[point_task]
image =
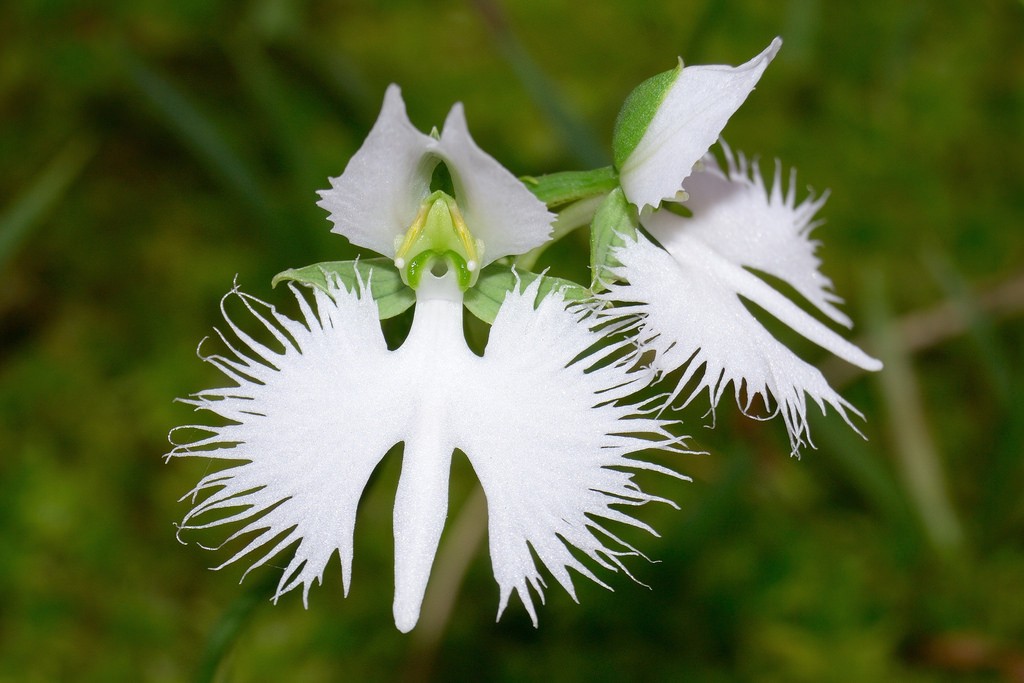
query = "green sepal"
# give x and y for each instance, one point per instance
(496, 280)
(637, 112)
(615, 221)
(386, 287)
(556, 189)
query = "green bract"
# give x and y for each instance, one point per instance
(637, 112)
(614, 221)
(496, 281)
(379, 274)
(558, 189)
(393, 296)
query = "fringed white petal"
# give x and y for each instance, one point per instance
(376, 198)
(692, 316)
(498, 208)
(378, 195)
(754, 226)
(547, 417)
(690, 118)
(547, 423)
(304, 427)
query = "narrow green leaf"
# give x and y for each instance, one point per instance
(275, 98)
(915, 451)
(614, 221)
(18, 220)
(386, 287)
(199, 133)
(485, 298)
(578, 137)
(225, 633)
(556, 189)
(859, 463)
(991, 355)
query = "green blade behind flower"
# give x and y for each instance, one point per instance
(379, 274)
(614, 221)
(485, 298)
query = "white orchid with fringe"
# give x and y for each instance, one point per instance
(548, 416)
(715, 230)
(555, 412)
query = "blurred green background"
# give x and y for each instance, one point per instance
(150, 151)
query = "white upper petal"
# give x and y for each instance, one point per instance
(377, 196)
(693, 317)
(498, 208)
(691, 117)
(735, 215)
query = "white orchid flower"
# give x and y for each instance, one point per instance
(718, 230)
(375, 201)
(547, 416)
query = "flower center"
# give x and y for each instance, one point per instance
(438, 241)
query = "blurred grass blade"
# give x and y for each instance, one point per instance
(714, 514)
(931, 327)
(230, 626)
(859, 462)
(198, 133)
(991, 355)
(18, 220)
(1001, 477)
(917, 457)
(338, 81)
(580, 140)
(270, 92)
(708, 23)
(461, 545)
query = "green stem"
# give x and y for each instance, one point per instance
(569, 219)
(917, 456)
(231, 624)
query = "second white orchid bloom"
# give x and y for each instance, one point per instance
(715, 226)
(547, 416)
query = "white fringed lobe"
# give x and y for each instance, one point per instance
(750, 224)
(688, 295)
(547, 427)
(552, 431)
